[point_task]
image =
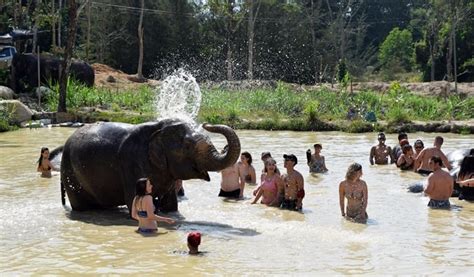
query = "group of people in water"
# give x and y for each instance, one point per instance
(286, 189)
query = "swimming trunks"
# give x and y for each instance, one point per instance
(439, 204)
(230, 194)
(290, 204)
(146, 230)
(424, 171)
(142, 214)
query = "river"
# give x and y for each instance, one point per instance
(403, 236)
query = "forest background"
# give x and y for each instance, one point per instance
(297, 41)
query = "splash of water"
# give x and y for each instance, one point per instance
(179, 97)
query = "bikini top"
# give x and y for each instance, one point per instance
(270, 185)
(355, 195)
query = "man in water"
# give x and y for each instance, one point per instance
(440, 185)
(422, 162)
(230, 183)
(380, 152)
(293, 183)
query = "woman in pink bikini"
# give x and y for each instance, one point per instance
(269, 185)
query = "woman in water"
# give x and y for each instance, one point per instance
(406, 161)
(418, 145)
(466, 178)
(246, 169)
(44, 165)
(143, 209)
(269, 184)
(355, 191)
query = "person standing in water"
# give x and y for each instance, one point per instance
(231, 185)
(246, 169)
(440, 185)
(293, 184)
(355, 191)
(269, 185)
(44, 164)
(422, 162)
(407, 159)
(380, 152)
(316, 161)
(143, 209)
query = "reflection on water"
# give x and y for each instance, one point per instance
(403, 236)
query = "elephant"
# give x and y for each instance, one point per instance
(101, 162)
(25, 68)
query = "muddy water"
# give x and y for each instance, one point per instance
(403, 236)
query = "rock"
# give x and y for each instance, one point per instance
(416, 188)
(32, 124)
(16, 111)
(6, 93)
(64, 117)
(42, 91)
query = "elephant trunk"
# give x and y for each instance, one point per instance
(215, 161)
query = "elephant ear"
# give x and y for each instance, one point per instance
(163, 141)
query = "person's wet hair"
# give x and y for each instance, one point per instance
(467, 168)
(436, 160)
(406, 148)
(270, 161)
(248, 156)
(43, 149)
(140, 187)
(402, 136)
(352, 170)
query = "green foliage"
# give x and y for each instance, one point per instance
(397, 51)
(5, 116)
(79, 95)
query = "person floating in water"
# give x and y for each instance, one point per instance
(316, 161)
(293, 184)
(143, 209)
(440, 185)
(380, 152)
(355, 191)
(44, 164)
(194, 240)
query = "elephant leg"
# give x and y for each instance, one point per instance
(79, 199)
(169, 202)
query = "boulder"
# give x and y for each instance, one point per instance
(6, 93)
(17, 112)
(42, 91)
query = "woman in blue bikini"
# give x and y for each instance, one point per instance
(143, 209)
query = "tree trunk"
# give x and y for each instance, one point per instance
(60, 9)
(71, 39)
(53, 25)
(251, 34)
(140, 41)
(35, 28)
(449, 57)
(88, 41)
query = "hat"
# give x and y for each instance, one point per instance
(194, 239)
(318, 145)
(291, 157)
(266, 154)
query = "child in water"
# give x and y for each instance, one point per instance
(44, 165)
(316, 161)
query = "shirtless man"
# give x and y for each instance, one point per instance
(231, 186)
(422, 164)
(440, 185)
(293, 183)
(380, 152)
